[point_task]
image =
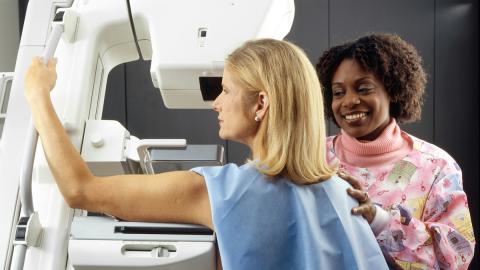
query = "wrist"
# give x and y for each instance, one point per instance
(372, 213)
(380, 220)
(37, 96)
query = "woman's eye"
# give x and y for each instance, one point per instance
(337, 93)
(365, 89)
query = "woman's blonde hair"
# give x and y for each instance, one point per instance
(291, 137)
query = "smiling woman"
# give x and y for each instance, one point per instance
(409, 190)
(360, 104)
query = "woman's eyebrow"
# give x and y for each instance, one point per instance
(369, 78)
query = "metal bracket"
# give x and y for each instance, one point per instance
(28, 231)
(69, 19)
(145, 145)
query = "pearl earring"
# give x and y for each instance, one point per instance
(257, 118)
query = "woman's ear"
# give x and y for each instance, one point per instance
(262, 106)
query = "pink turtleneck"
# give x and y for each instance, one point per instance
(391, 146)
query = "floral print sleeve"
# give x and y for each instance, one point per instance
(442, 238)
(430, 225)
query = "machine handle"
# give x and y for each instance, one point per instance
(32, 135)
(101, 254)
(27, 213)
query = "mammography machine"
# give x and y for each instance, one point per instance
(187, 42)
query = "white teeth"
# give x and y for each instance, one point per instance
(355, 116)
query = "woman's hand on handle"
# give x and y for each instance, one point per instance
(366, 208)
(40, 78)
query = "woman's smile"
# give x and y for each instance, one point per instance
(360, 105)
(355, 117)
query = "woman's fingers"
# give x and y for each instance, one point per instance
(52, 63)
(367, 210)
(40, 78)
(360, 195)
(350, 179)
(37, 60)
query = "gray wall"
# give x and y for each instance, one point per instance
(9, 34)
(444, 31)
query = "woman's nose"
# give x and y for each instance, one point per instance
(215, 104)
(351, 99)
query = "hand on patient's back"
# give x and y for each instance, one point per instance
(365, 207)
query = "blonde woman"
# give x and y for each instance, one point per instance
(284, 209)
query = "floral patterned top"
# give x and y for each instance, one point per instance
(430, 225)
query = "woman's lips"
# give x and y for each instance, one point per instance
(354, 117)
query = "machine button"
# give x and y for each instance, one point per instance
(97, 140)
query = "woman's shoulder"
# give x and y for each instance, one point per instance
(335, 182)
(224, 169)
(229, 174)
(336, 188)
(431, 151)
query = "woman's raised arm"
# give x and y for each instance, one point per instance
(169, 197)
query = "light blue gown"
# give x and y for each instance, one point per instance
(264, 224)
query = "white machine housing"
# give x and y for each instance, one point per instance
(5, 86)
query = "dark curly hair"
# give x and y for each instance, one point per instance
(396, 64)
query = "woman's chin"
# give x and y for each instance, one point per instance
(222, 135)
(355, 132)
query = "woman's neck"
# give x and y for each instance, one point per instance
(390, 146)
(377, 132)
